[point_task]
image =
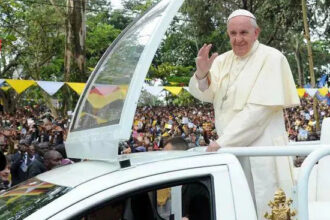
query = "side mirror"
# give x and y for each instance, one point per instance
(3, 161)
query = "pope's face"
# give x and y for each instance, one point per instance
(242, 34)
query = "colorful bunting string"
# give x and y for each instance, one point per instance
(105, 90)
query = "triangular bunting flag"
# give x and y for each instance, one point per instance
(5, 88)
(153, 90)
(324, 91)
(99, 101)
(50, 87)
(1, 81)
(77, 87)
(301, 92)
(186, 88)
(173, 89)
(104, 89)
(311, 92)
(20, 85)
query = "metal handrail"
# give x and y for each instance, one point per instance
(262, 151)
(302, 185)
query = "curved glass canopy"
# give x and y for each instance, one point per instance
(104, 113)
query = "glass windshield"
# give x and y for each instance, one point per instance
(104, 100)
(24, 199)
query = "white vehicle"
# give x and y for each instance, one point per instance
(155, 185)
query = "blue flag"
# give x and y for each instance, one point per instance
(322, 81)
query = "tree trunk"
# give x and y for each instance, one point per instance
(245, 4)
(297, 55)
(9, 99)
(75, 48)
(311, 63)
(79, 34)
(76, 35)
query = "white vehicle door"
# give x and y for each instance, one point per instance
(205, 193)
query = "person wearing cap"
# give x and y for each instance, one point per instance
(249, 86)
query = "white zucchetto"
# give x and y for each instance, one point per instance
(241, 12)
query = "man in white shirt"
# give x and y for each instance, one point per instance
(249, 86)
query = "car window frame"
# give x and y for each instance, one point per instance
(218, 172)
(206, 181)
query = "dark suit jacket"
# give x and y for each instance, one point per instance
(18, 175)
(35, 168)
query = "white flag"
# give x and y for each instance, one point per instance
(154, 90)
(50, 87)
(311, 92)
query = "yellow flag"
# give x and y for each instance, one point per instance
(175, 90)
(20, 85)
(77, 87)
(301, 92)
(99, 101)
(5, 88)
(323, 91)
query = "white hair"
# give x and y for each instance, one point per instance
(254, 23)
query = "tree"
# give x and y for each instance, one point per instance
(171, 73)
(33, 42)
(310, 61)
(31, 35)
(137, 7)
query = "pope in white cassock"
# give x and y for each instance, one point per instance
(249, 86)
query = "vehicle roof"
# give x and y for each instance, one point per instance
(78, 173)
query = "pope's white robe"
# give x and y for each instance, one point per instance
(248, 94)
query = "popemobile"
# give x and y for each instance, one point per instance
(168, 185)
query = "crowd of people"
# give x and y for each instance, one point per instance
(33, 140)
(153, 125)
(301, 123)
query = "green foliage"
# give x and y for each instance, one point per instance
(119, 20)
(147, 99)
(138, 6)
(170, 73)
(100, 33)
(33, 39)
